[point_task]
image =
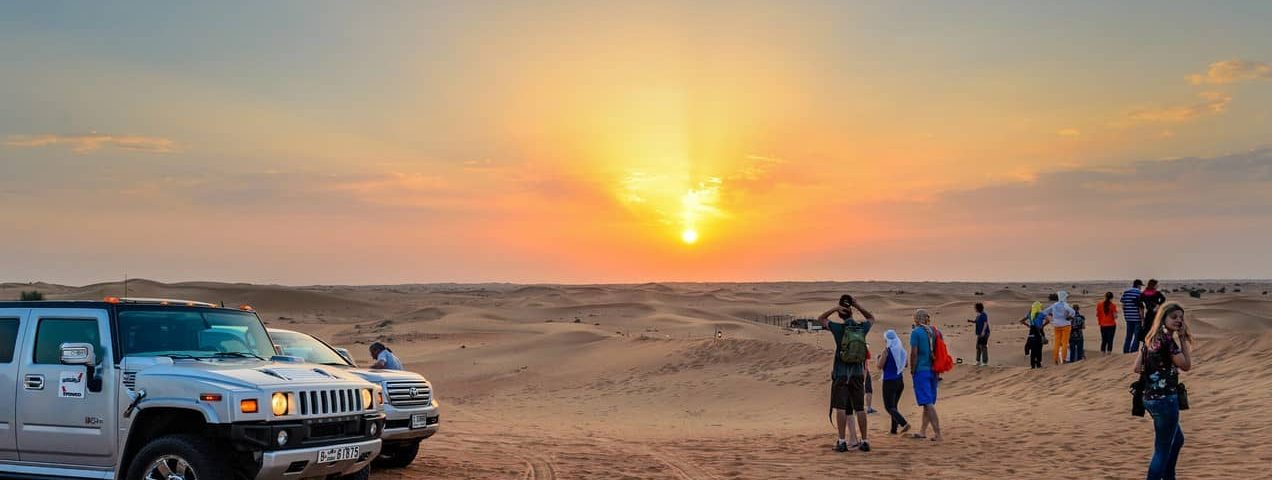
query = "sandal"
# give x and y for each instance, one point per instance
(917, 436)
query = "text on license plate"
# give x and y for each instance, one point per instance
(419, 420)
(337, 454)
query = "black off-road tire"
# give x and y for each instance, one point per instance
(205, 457)
(398, 456)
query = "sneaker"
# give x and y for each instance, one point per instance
(871, 411)
(841, 446)
(865, 446)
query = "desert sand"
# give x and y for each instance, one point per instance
(629, 381)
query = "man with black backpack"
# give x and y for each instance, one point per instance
(848, 380)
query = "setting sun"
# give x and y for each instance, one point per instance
(690, 237)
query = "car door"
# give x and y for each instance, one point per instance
(11, 323)
(61, 419)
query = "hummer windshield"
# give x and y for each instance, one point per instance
(308, 348)
(181, 333)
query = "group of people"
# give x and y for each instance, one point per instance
(1067, 324)
(1163, 348)
(850, 380)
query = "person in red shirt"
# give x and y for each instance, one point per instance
(1106, 314)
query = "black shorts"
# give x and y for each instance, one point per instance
(848, 393)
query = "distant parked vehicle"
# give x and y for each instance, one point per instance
(809, 324)
(410, 405)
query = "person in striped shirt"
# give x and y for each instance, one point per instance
(1132, 309)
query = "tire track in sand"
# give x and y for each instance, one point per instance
(537, 468)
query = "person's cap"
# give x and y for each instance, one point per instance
(1137, 283)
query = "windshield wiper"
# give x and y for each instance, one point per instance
(237, 355)
(335, 364)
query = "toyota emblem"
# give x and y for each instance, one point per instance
(415, 392)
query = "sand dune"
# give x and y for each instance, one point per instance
(612, 381)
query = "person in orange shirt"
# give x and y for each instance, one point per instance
(1106, 314)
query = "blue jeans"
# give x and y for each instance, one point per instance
(1169, 436)
(1131, 345)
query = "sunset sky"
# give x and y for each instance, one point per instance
(372, 143)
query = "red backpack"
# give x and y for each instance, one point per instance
(941, 360)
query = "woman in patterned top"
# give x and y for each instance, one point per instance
(1167, 350)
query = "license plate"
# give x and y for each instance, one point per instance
(419, 420)
(338, 454)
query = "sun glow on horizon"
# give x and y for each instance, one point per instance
(690, 237)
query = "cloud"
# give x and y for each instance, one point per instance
(1232, 71)
(92, 142)
(1182, 188)
(1213, 103)
(1069, 132)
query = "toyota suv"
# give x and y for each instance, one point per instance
(410, 404)
(136, 389)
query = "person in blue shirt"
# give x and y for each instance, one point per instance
(925, 380)
(1132, 312)
(384, 358)
(847, 390)
(891, 363)
(982, 335)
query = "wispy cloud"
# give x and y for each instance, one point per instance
(1236, 184)
(1213, 103)
(1069, 132)
(92, 142)
(1232, 71)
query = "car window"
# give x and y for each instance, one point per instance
(8, 338)
(53, 332)
(306, 347)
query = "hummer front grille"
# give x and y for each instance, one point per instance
(404, 394)
(329, 401)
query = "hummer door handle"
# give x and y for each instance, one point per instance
(34, 382)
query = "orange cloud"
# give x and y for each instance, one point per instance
(92, 142)
(1213, 103)
(1232, 71)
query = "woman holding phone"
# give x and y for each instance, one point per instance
(1167, 350)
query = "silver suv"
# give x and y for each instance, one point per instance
(411, 404)
(172, 390)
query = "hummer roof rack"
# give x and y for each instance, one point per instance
(159, 301)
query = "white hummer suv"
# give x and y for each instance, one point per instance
(135, 389)
(410, 408)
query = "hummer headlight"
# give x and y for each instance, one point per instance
(366, 399)
(278, 402)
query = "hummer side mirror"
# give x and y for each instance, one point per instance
(83, 354)
(78, 354)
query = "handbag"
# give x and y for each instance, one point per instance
(1137, 390)
(1137, 398)
(1183, 396)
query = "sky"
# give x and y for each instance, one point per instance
(614, 142)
